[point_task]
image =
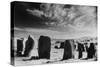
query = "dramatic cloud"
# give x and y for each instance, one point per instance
(35, 12)
(74, 16)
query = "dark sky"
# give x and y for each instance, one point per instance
(22, 18)
(26, 21)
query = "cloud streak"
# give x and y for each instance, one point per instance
(35, 12)
(53, 34)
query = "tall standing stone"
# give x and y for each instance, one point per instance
(19, 47)
(91, 51)
(80, 50)
(67, 50)
(28, 46)
(44, 47)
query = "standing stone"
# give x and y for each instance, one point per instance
(28, 46)
(19, 47)
(62, 45)
(91, 51)
(44, 47)
(67, 50)
(80, 50)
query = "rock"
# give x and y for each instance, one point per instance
(44, 47)
(67, 50)
(19, 47)
(62, 45)
(28, 46)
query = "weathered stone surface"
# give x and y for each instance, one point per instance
(28, 46)
(67, 50)
(62, 45)
(91, 51)
(19, 47)
(44, 47)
